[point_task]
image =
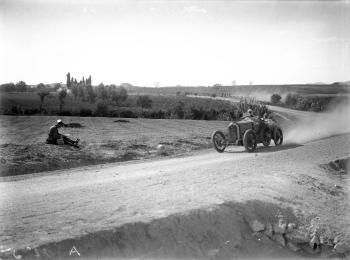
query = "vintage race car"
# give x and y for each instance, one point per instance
(248, 132)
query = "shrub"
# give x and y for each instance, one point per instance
(102, 109)
(195, 113)
(85, 112)
(144, 102)
(179, 110)
(291, 100)
(275, 99)
(128, 114)
(65, 113)
(31, 111)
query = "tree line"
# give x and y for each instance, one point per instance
(304, 103)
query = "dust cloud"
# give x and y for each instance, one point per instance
(314, 126)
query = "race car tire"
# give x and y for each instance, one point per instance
(219, 142)
(249, 140)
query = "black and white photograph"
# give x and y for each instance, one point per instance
(183, 129)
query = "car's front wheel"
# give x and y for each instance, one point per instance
(219, 141)
(249, 140)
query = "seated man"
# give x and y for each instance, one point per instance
(55, 136)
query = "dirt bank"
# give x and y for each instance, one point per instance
(221, 231)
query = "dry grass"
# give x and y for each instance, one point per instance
(23, 149)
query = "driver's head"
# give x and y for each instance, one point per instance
(59, 123)
(250, 112)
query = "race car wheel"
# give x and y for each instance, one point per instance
(249, 140)
(278, 136)
(266, 138)
(219, 141)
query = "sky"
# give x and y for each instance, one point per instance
(168, 43)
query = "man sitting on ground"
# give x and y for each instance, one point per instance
(55, 137)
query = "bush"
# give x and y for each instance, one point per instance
(127, 114)
(65, 113)
(179, 110)
(102, 109)
(275, 99)
(291, 100)
(144, 102)
(85, 112)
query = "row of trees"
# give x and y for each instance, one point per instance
(20, 86)
(180, 110)
(111, 94)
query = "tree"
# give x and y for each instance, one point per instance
(61, 96)
(144, 102)
(275, 99)
(102, 92)
(102, 109)
(21, 86)
(179, 110)
(91, 93)
(118, 94)
(88, 80)
(68, 81)
(8, 87)
(41, 86)
(43, 94)
(291, 100)
(81, 92)
(57, 86)
(75, 91)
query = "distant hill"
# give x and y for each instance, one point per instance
(345, 83)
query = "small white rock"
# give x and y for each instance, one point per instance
(257, 226)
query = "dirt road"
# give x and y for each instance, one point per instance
(49, 207)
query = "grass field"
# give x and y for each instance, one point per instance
(23, 149)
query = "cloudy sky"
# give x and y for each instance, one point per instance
(177, 42)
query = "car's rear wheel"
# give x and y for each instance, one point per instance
(219, 141)
(266, 138)
(249, 140)
(278, 136)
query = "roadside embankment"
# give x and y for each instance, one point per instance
(255, 229)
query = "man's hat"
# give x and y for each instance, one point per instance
(59, 121)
